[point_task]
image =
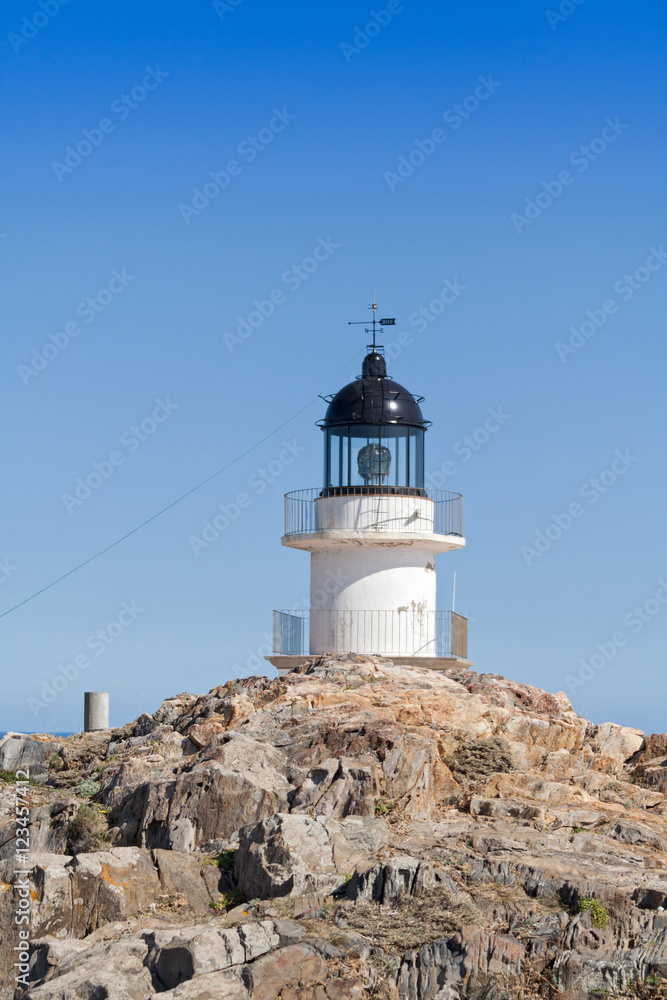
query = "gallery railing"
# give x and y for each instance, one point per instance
(437, 511)
(383, 633)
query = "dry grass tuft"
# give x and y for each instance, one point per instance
(478, 759)
(87, 831)
(416, 920)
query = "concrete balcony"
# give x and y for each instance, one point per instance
(431, 639)
(317, 518)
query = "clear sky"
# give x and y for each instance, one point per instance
(169, 165)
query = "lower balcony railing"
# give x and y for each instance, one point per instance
(383, 633)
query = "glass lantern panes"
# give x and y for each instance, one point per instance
(374, 456)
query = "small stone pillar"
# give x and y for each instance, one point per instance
(95, 710)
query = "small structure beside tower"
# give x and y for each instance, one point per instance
(373, 531)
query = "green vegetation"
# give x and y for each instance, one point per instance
(224, 860)
(87, 831)
(228, 900)
(104, 765)
(384, 806)
(599, 916)
(87, 788)
(10, 778)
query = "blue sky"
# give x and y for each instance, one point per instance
(540, 198)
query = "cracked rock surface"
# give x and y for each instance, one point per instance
(353, 830)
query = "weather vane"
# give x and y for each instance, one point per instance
(382, 322)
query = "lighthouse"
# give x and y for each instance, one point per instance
(373, 531)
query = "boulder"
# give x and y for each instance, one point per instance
(652, 746)
(73, 897)
(27, 753)
(49, 829)
(184, 876)
(337, 788)
(112, 969)
(170, 710)
(294, 854)
(179, 954)
(225, 985)
(268, 977)
(388, 882)
(473, 955)
(617, 742)
(110, 885)
(234, 781)
(285, 855)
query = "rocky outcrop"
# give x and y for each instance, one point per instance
(72, 898)
(352, 830)
(291, 855)
(18, 752)
(206, 796)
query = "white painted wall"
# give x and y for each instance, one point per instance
(374, 513)
(372, 578)
(371, 599)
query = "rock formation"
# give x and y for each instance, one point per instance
(352, 830)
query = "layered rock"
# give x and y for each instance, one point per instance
(396, 833)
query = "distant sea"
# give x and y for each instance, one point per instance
(39, 731)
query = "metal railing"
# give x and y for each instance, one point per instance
(437, 511)
(383, 633)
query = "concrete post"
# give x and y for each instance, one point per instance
(95, 710)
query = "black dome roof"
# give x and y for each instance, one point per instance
(374, 399)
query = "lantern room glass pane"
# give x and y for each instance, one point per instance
(388, 456)
(416, 457)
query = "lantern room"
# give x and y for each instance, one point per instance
(374, 436)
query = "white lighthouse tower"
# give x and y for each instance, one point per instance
(373, 532)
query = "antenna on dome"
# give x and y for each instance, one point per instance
(373, 306)
(381, 322)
